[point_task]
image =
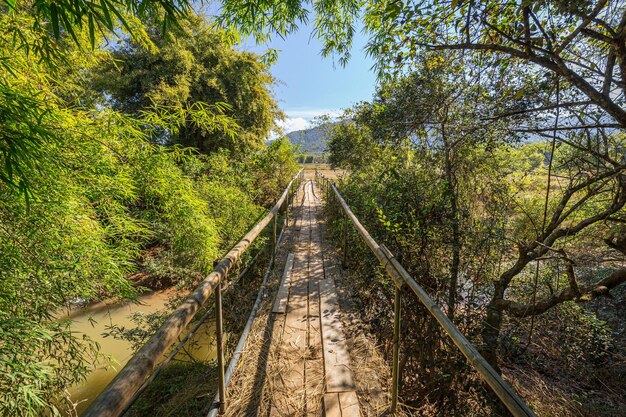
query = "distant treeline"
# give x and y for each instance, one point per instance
(312, 159)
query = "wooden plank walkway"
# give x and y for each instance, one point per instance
(315, 377)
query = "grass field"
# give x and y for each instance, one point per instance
(325, 169)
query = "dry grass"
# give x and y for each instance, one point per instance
(534, 388)
(244, 394)
(325, 169)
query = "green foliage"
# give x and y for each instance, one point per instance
(181, 390)
(188, 67)
(351, 146)
(571, 337)
(275, 168)
(460, 202)
(105, 200)
(58, 19)
(111, 199)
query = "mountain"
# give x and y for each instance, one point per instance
(311, 141)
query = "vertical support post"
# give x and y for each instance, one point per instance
(274, 238)
(395, 377)
(344, 260)
(219, 329)
(287, 210)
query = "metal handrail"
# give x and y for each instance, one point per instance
(116, 397)
(401, 277)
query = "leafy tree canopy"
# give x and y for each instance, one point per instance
(104, 201)
(189, 68)
(60, 18)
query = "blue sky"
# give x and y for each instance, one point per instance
(310, 85)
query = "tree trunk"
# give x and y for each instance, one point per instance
(456, 240)
(456, 234)
(493, 321)
(491, 333)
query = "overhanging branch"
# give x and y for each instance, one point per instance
(578, 293)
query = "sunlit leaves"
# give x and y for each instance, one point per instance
(102, 197)
(104, 16)
(335, 26)
(263, 18)
(27, 124)
(196, 81)
(27, 373)
(207, 118)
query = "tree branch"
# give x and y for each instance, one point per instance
(618, 203)
(608, 74)
(597, 36)
(526, 13)
(580, 127)
(585, 293)
(580, 27)
(612, 108)
(542, 108)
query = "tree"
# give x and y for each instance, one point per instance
(454, 195)
(580, 41)
(197, 66)
(104, 203)
(351, 144)
(57, 19)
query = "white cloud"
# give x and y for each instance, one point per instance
(293, 123)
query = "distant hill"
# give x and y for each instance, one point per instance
(311, 141)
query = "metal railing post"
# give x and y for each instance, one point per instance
(219, 329)
(344, 260)
(395, 370)
(287, 213)
(274, 235)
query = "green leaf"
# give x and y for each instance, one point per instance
(92, 34)
(54, 19)
(69, 28)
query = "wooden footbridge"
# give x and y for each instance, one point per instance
(308, 330)
(314, 375)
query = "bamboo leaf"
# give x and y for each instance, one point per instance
(54, 20)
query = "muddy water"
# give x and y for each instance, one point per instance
(93, 322)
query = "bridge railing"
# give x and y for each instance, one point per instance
(401, 277)
(122, 391)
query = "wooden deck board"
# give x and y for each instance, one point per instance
(332, 408)
(314, 364)
(349, 404)
(280, 305)
(289, 395)
(335, 349)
